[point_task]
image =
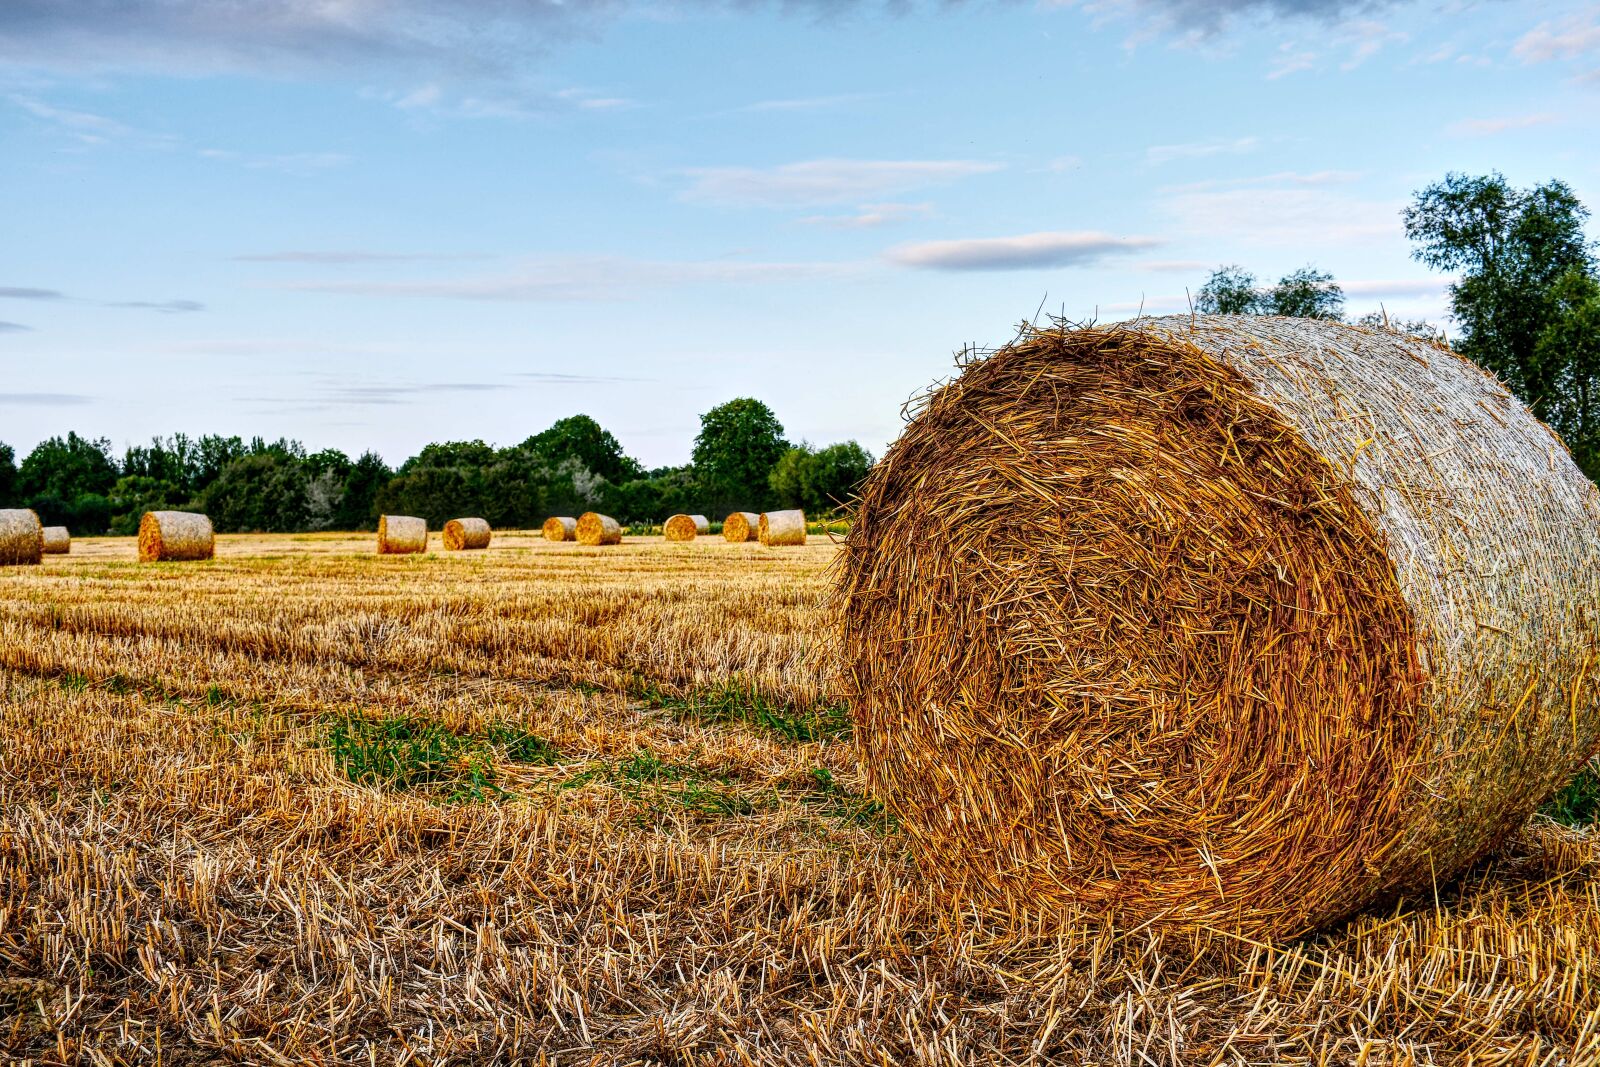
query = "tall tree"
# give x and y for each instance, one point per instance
(8, 476)
(1571, 341)
(1307, 293)
(819, 480)
(580, 437)
(1231, 290)
(738, 445)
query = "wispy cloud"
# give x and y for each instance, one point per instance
(333, 257)
(825, 181)
(13, 292)
(1028, 251)
(554, 378)
(1175, 266)
(168, 306)
(1577, 37)
(13, 327)
(1197, 20)
(870, 216)
(1285, 213)
(1166, 153)
(85, 125)
(44, 399)
(802, 103)
(1490, 127)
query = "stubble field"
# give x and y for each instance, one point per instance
(550, 804)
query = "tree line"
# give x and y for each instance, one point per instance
(1526, 300)
(742, 460)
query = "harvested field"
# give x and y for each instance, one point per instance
(307, 805)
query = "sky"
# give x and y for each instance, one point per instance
(372, 224)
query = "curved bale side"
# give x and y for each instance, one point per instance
(560, 528)
(685, 527)
(597, 529)
(57, 541)
(741, 526)
(466, 535)
(401, 535)
(21, 537)
(175, 537)
(778, 528)
(1242, 625)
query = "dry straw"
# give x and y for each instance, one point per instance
(21, 536)
(401, 535)
(560, 528)
(1234, 623)
(596, 529)
(462, 534)
(777, 528)
(685, 527)
(57, 541)
(175, 536)
(741, 526)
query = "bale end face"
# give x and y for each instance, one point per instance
(596, 529)
(685, 527)
(560, 528)
(21, 537)
(175, 537)
(741, 526)
(466, 535)
(779, 528)
(401, 535)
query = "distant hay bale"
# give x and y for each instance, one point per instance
(57, 541)
(175, 536)
(466, 534)
(741, 526)
(778, 528)
(560, 528)
(685, 527)
(596, 529)
(401, 535)
(21, 536)
(1234, 623)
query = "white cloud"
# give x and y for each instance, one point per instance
(1575, 38)
(1489, 127)
(1028, 251)
(1283, 215)
(1290, 59)
(870, 216)
(1166, 153)
(825, 181)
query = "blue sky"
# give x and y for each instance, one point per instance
(374, 224)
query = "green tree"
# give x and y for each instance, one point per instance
(8, 477)
(135, 494)
(1231, 290)
(1305, 294)
(358, 505)
(819, 480)
(1511, 247)
(1571, 341)
(66, 481)
(263, 491)
(738, 445)
(580, 437)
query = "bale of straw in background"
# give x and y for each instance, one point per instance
(778, 528)
(560, 528)
(596, 529)
(685, 527)
(741, 526)
(57, 541)
(173, 536)
(462, 534)
(401, 535)
(21, 536)
(1232, 623)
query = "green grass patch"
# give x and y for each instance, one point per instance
(411, 752)
(737, 701)
(1578, 803)
(836, 802)
(658, 787)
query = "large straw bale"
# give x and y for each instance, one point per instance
(741, 526)
(777, 528)
(462, 534)
(1219, 623)
(560, 528)
(401, 535)
(57, 541)
(175, 536)
(596, 529)
(685, 527)
(21, 536)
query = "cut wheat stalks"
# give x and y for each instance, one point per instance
(777, 528)
(1240, 623)
(685, 527)
(741, 526)
(175, 536)
(465, 534)
(57, 541)
(401, 535)
(21, 536)
(560, 528)
(597, 529)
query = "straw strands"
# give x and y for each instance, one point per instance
(741, 526)
(685, 527)
(401, 535)
(1219, 623)
(462, 534)
(777, 528)
(21, 537)
(560, 528)
(57, 541)
(175, 536)
(597, 529)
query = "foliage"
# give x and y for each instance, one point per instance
(1571, 341)
(8, 476)
(135, 494)
(1577, 803)
(66, 481)
(1305, 293)
(738, 445)
(819, 480)
(1231, 290)
(263, 492)
(579, 437)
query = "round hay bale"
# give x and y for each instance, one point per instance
(596, 529)
(741, 526)
(401, 535)
(1219, 623)
(685, 527)
(175, 536)
(57, 541)
(560, 528)
(777, 528)
(21, 536)
(465, 534)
